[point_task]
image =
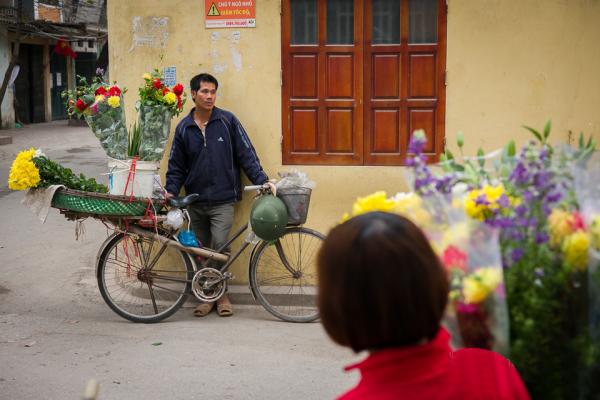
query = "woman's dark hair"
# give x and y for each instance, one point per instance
(195, 81)
(381, 284)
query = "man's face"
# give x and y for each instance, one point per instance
(206, 96)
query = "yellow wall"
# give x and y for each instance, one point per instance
(509, 63)
(516, 62)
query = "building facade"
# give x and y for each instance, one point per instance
(335, 87)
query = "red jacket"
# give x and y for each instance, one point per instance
(434, 371)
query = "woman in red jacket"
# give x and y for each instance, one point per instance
(383, 289)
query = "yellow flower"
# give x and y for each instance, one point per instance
(114, 101)
(410, 205)
(493, 193)
(100, 98)
(595, 232)
(170, 98)
(575, 250)
(473, 209)
(373, 202)
(559, 226)
(23, 172)
(147, 76)
(480, 284)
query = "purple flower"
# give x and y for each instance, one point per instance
(503, 201)
(481, 200)
(99, 72)
(521, 210)
(554, 197)
(542, 179)
(520, 174)
(516, 255)
(541, 237)
(417, 144)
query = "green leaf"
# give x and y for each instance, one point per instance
(534, 132)
(449, 155)
(480, 157)
(547, 129)
(511, 149)
(460, 139)
(581, 140)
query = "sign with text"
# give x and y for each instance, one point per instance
(170, 76)
(230, 14)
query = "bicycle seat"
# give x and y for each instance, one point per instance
(182, 202)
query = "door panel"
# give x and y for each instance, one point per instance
(305, 133)
(304, 76)
(340, 76)
(340, 131)
(423, 118)
(386, 76)
(422, 76)
(386, 125)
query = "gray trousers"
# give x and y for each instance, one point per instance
(212, 224)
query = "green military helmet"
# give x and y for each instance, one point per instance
(268, 217)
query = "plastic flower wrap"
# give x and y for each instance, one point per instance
(106, 117)
(477, 314)
(587, 189)
(31, 169)
(157, 106)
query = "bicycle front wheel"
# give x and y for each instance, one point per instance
(283, 275)
(141, 279)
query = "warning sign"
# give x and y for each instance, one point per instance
(230, 14)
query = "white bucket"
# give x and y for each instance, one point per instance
(140, 185)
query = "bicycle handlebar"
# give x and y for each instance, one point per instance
(253, 187)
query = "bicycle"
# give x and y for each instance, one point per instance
(145, 274)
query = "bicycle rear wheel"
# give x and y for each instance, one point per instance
(142, 280)
(283, 275)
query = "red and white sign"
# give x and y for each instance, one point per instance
(230, 14)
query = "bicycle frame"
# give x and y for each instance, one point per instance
(205, 252)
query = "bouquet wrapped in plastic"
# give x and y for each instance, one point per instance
(477, 313)
(157, 106)
(107, 120)
(101, 105)
(526, 195)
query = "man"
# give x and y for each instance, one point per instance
(209, 147)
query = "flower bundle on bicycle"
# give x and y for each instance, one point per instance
(102, 106)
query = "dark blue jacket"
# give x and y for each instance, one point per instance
(212, 168)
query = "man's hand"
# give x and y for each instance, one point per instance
(168, 195)
(271, 185)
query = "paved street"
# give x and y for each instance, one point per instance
(56, 332)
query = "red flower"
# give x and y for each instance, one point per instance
(165, 90)
(114, 91)
(157, 83)
(577, 222)
(178, 89)
(454, 258)
(179, 103)
(100, 91)
(80, 105)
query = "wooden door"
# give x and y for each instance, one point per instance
(404, 77)
(358, 76)
(322, 82)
